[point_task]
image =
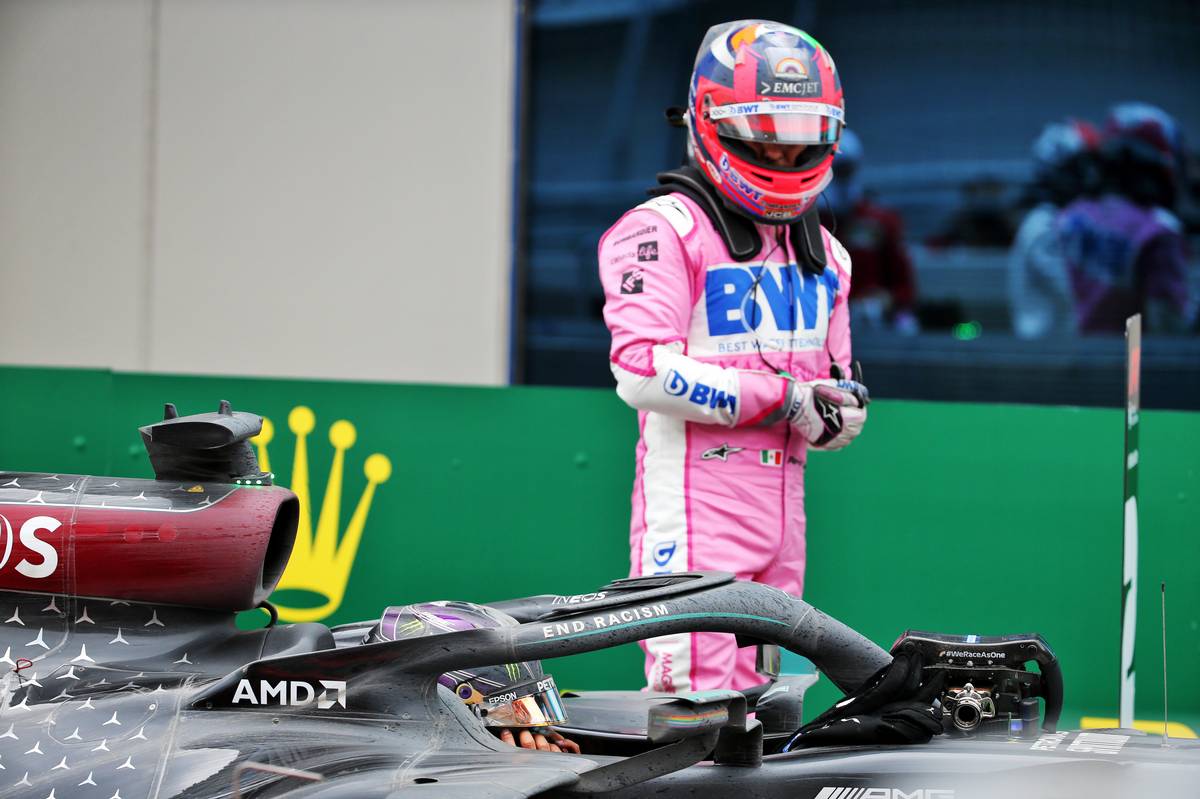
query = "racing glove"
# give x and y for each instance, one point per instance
(898, 705)
(829, 413)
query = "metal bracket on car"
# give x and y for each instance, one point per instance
(691, 726)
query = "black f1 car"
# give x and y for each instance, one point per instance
(124, 675)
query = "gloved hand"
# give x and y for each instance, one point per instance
(898, 705)
(829, 413)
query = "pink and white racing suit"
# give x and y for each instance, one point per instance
(698, 344)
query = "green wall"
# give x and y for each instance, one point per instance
(961, 518)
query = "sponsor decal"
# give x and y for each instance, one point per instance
(647, 251)
(743, 186)
(778, 212)
(966, 653)
(792, 74)
(291, 693)
(664, 552)
(603, 621)
(28, 535)
(636, 233)
(631, 281)
(1049, 742)
(843, 792)
(323, 558)
(777, 107)
(677, 386)
(720, 453)
(771, 457)
(1097, 743)
(787, 63)
(616, 259)
(576, 599)
(792, 300)
(664, 682)
(793, 460)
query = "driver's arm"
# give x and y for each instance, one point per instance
(649, 289)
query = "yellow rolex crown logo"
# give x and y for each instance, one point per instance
(321, 563)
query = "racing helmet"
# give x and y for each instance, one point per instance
(509, 695)
(1143, 146)
(1065, 160)
(759, 86)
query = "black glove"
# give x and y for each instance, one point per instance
(893, 707)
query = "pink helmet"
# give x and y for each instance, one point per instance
(761, 84)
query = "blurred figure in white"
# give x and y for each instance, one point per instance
(1065, 166)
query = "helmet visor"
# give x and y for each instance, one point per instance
(534, 703)
(779, 122)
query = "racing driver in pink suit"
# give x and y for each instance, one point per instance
(730, 333)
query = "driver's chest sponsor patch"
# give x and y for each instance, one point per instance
(777, 308)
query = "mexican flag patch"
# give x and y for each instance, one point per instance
(770, 457)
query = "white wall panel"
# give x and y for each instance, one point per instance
(72, 135)
(326, 185)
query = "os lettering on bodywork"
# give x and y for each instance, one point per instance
(29, 539)
(675, 385)
(6, 529)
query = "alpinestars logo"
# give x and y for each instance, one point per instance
(834, 792)
(720, 453)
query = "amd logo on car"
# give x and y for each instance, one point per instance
(835, 792)
(291, 693)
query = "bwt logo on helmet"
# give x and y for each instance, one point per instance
(29, 540)
(739, 182)
(291, 693)
(677, 386)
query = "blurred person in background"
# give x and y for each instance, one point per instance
(1125, 250)
(727, 304)
(1065, 166)
(982, 219)
(884, 288)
